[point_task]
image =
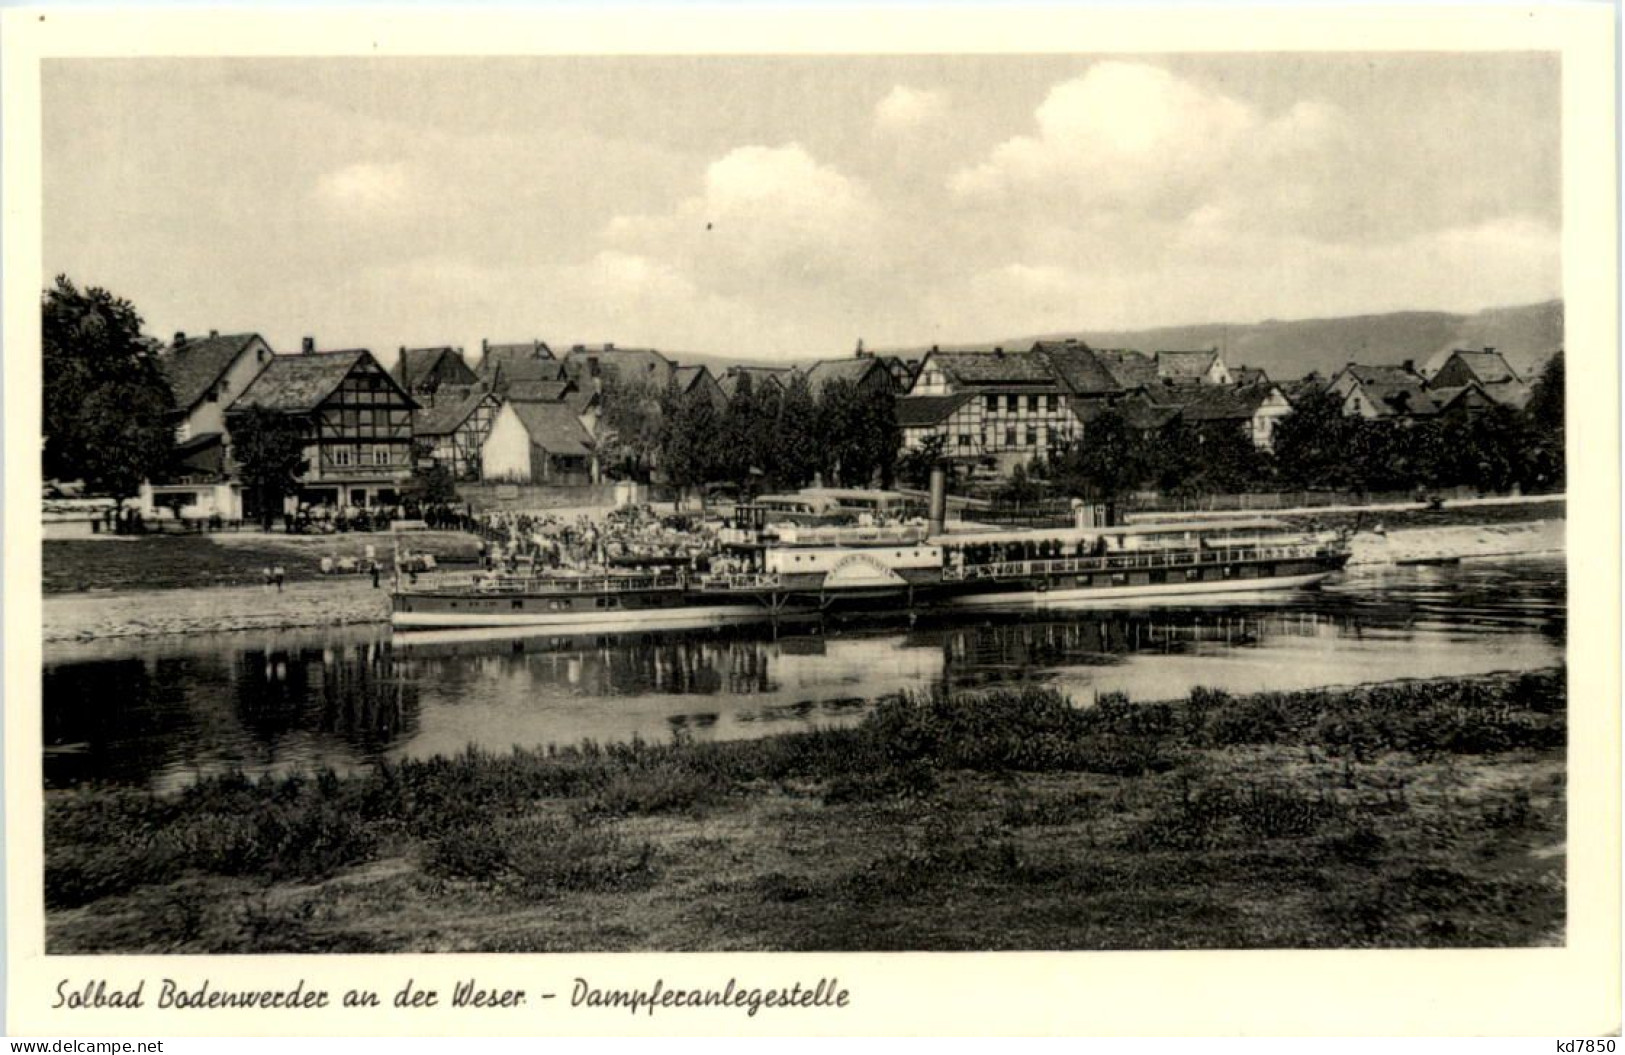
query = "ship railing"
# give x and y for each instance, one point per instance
(1133, 562)
(740, 581)
(505, 584)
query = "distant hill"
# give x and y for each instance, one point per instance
(1526, 335)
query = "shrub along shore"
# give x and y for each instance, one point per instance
(1419, 813)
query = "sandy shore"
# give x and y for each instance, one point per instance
(1459, 540)
(342, 601)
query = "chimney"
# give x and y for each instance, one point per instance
(216, 333)
(307, 346)
(578, 347)
(180, 338)
(1409, 365)
(936, 348)
(999, 351)
(485, 345)
(609, 346)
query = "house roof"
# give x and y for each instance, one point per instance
(759, 375)
(853, 370)
(537, 391)
(626, 363)
(414, 364)
(1399, 398)
(1177, 365)
(1220, 402)
(1138, 412)
(994, 368)
(921, 411)
(1130, 369)
(1247, 375)
(198, 364)
(1488, 366)
(1077, 367)
(452, 407)
(689, 376)
(297, 384)
(1304, 386)
(1383, 375)
(553, 427)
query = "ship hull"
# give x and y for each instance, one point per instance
(1218, 592)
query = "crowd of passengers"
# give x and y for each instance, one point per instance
(631, 537)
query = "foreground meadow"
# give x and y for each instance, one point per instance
(1395, 815)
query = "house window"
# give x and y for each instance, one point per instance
(341, 456)
(992, 403)
(1032, 437)
(380, 455)
(964, 439)
(1032, 404)
(1010, 437)
(214, 394)
(1011, 403)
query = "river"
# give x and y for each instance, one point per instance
(159, 712)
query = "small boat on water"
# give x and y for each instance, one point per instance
(813, 571)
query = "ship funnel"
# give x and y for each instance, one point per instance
(937, 517)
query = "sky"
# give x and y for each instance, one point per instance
(787, 207)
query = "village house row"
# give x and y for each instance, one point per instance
(524, 414)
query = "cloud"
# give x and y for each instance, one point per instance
(1122, 131)
(905, 107)
(367, 187)
(765, 216)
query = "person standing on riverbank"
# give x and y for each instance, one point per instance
(279, 574)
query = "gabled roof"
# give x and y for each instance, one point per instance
(1304, 386)
(1130, 369)
(1399, 398)
(452, 408)
(628, 364)
(1247, 375)
(1383, 375)
(1487, 366)
(537, 391)
(297, 384)
(854, 370)
(1138, 411)
(974, 369)
(923, 411)
(553, 427)
(689, 376)
(1076, 366)
(415, 364)
(759, 376)
(1176, 365)
(196, 365)
(1219, 402)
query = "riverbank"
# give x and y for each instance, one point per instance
(312, 599)
(1409, 814)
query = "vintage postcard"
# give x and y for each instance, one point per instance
(893, 520)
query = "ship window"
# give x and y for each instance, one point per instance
(1193, 574)
(1159, 576)
(518, 604)
(1120, 578)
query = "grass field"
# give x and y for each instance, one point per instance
(1399, 815)
(164, 562)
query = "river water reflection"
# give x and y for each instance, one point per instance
(159, 712)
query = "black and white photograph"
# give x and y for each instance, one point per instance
(1061, 500)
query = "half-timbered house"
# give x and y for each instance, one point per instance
(357, 422)
(455, 428)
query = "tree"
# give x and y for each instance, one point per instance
(1106, 462)
(914, 467)
(269, 448)
(1544, 417)
(628, 426)
(108, 411)
(796, 454)
(737, 453)
(690, 430)
(1313, 443)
